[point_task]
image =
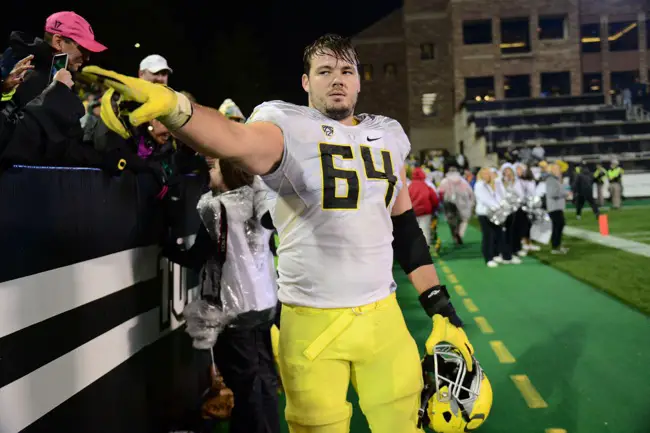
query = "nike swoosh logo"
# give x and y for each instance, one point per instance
(373, 139)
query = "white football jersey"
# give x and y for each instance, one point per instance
(331, 199)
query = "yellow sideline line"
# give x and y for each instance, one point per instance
(452, 278)
(502, 352)
(460, 290)
(445, 269)
(528, 392)
(469, 304)
(555, 430)
(483, 325)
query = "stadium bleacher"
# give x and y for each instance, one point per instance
(572, 128)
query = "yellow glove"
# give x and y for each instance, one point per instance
(171, 108)
(445, 331)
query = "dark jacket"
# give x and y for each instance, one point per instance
(47, 131)
(20, 46)
(582, 183)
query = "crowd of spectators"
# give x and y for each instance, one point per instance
(50, 117)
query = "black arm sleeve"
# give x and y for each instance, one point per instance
(411, 252)
(409, 245)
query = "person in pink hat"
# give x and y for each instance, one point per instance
(65, 32)
(70, 33)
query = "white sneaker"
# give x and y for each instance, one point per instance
(513, 261)
(498, 259)
(522, 253)
(533, 247)
(492, 264)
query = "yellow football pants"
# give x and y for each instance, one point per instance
(321, 350)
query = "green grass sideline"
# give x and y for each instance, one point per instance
(621, 274)
(618, 273)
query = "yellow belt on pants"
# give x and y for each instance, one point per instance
(339, 325)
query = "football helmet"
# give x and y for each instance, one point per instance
(454, 400)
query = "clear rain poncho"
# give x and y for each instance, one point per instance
(245, 281)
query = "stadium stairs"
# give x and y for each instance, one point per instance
(571, 128)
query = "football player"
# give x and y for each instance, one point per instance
(342, 213)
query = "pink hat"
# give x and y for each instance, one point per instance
(73, 26)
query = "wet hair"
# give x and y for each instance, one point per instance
(341, 47)
(233, 175)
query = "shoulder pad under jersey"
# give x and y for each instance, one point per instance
(390, 127)
(279, 111)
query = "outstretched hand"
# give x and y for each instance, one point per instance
(17, 74)
(158, 101)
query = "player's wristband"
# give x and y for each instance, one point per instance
(436, 301)
(180, 115)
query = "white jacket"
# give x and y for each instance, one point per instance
(486, 198)
(516, 187)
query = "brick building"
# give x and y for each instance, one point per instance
(478, 49)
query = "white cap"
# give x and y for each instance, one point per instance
(154, 64)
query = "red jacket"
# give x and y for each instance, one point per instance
(424, 198)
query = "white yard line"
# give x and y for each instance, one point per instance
(643, 234)
(586, 211)
(609, 241)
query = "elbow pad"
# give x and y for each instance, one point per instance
(410, 248)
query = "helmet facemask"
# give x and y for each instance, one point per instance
(450, 391)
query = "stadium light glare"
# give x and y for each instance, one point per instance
(137, 45)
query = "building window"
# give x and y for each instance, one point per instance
(429, 104)
(623, 80)
(590, 38)
(479, 89)
(552, 27)
(515, 36)
(592, 83)
(477, 32)
(555, 83)
(390, 70)
(365, 71)
(623, 36)
(427, 52)
(516, 86)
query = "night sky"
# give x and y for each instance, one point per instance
(250, 51)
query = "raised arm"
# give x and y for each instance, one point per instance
(257, 146)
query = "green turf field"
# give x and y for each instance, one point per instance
(561, 356)
(619, 273)
(581, 350)
(632, 223)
